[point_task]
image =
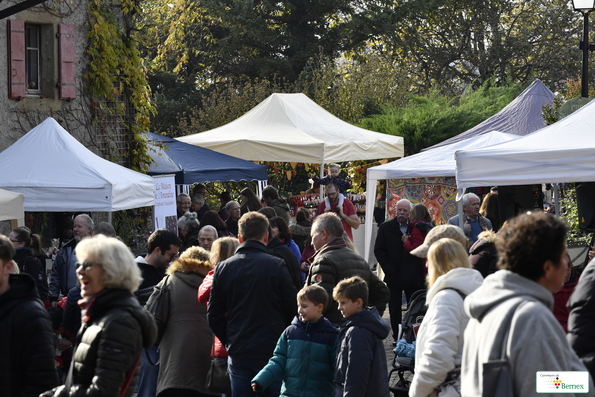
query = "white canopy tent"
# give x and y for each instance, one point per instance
(293, 128)
(56, 172)
(11, 207)
(561, 152)
(438, 162)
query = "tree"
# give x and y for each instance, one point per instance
(450, 44)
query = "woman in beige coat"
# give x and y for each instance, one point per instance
(187, 339)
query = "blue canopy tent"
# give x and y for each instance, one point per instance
(193, 164)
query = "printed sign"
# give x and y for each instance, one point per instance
(165, 204)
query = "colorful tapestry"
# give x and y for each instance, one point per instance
(438, 194)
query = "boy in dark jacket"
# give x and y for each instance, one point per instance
(305, 352)
(361, 361)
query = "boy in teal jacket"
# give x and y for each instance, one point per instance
(305, 352)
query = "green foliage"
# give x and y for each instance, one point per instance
(571, 90)
(115, 67)
(569, 213)
(426, 121)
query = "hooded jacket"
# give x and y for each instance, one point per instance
(440, 338)
(300, 232)
(361, 361)
(110, 342)
(581, 321)
(35, 268)
(27, 356)
(483, 255)
(305, 357)
(281, 208)
(185, 348)
(536, 341)
(280, 250)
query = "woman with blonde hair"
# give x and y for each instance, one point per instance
(185, 346)
(115, 326)
(222, 249)
(440, 339)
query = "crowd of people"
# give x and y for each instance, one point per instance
(239, 302)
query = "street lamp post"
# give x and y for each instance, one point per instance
(585, 7)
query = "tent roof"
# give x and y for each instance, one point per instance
(561, 152)
(438, 162)
(193, 164)
(68, 176)
(292, 127)
(522, 116)
(11, 206)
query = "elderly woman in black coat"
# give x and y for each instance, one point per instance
(115, 327)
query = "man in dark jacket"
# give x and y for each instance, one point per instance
(252, 301)
(163, 248)
(402, 271)
(63, 277)
(334, 262)
(581, 321)
(270, 196)
(27, 357)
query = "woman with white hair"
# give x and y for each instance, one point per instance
(115, 327)
(189, 225)
(439, 347)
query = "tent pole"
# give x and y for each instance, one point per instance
(461, 215)
(557, 198)
(109, 217)
(321, 191)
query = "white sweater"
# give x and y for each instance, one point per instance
(440, 339)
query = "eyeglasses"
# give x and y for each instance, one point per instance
(86, 265)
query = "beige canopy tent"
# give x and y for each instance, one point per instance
(12, 208)
(293, 128)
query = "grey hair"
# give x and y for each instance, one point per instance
(466, 198)
(329, 222)
(88, 221)
(120, 269)
(405, 201)
(198, 199)
(209, 228)
(179, 198)
(189, 221)
(229, 205)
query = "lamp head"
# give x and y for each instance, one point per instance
(583, 5)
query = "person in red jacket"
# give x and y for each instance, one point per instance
(420, 224)
(562, 295)
(222, 249)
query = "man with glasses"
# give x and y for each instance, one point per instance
(163, 248)
(63, 277)
(345, 211)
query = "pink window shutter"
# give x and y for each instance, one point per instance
(16, 59)
(67, 62)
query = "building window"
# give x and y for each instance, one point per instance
(32, 60)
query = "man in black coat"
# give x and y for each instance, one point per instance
(402, 271)
(27, 356)
(252, 301)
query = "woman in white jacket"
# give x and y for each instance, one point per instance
(440, 338)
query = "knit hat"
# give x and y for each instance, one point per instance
(442, 231)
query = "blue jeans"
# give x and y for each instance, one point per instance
(147, 385)
(242, 372)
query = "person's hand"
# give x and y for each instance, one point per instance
(467, 226)
(592, 253)
(54, 303)
(405, 237)
(327, 209)
(64, 344)
(339, 209)
(253, 386)
(305, 266)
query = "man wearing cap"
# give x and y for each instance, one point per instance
(474, 222)
(403, 271)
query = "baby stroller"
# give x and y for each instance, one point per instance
(416, 309)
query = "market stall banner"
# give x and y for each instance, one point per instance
(438, 194)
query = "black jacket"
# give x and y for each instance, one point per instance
(281, 208)
(280, 250)
(335, 263)
(581, 321)
(400, 267)
(109, 343)
(35, 268)
(63, 265)
(483, 256)
(361, 360)
(27, 363)
(300, 232)
(252, 301)
(72, 312)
